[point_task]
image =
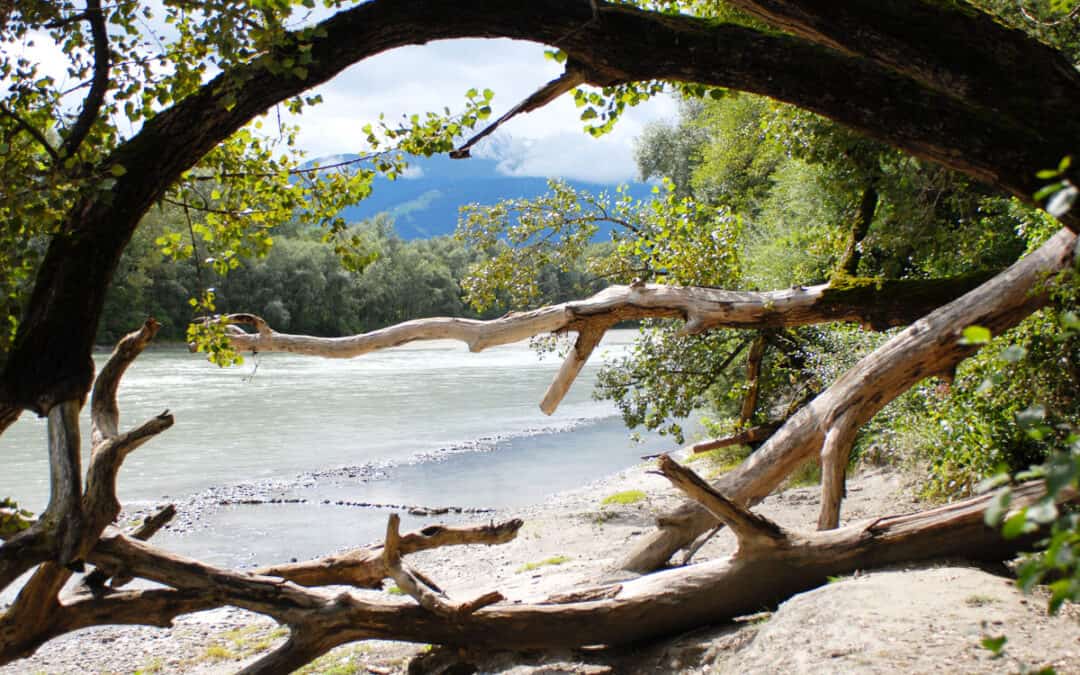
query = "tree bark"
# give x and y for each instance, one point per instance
(928, 347)
(753, 384)
(771, 564)
(849, 263)
(873, 303)
(919, 89)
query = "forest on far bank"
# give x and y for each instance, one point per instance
(301, 286)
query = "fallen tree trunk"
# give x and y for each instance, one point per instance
(770, 565)
(827, 425)
(872, 303)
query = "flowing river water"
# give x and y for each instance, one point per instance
(282, 457)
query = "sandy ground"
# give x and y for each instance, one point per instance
(928, 619)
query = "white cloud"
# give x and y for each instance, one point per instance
(549, 142)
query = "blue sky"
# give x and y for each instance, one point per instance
(549, 142)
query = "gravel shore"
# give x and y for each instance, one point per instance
(928, 619)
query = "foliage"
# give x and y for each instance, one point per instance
(1049, 422)
(669, 238)
(144, 60)
(625, 497)
(12, 518)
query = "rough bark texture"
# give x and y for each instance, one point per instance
(872, 303)
(926, 348)
(939, 81)
(770, 564)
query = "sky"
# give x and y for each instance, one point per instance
(550, 142)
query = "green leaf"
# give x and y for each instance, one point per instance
(1043, 512)
(1048, 190)
(117, 170)
(975, 335)
(998, 507)
(1016, 525)
(994, 644)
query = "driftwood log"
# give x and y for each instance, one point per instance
(826, 426)
(771, 563)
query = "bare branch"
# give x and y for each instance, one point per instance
(751, 435)
(835, 452)
(586, 342)
(573, 76)
(365, 568)
(875, 305)
(753, 531)
(96, 96)
(23, 551)
(426, 596)
(95, 581)
(104, 411)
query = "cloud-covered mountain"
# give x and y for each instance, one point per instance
(424, 202)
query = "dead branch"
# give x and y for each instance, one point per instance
(95, 581)
(929, 346)
(835, 453)
(365, 567)
(754, 532)
(104, 411)
(420, 588)
(587, 340)
(751, 435)
(890, 303)
(574, 75)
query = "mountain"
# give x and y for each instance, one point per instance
(424, 202)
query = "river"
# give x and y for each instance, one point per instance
(424, 424)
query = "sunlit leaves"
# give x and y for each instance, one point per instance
(13, 519)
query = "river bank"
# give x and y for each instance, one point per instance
(925, 619)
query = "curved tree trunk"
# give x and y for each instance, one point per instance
(940, 82)
(929, 347)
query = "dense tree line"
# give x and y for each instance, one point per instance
(301, 285)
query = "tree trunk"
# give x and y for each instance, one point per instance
(939, 82)
(928, 347)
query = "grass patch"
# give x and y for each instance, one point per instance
(341, 661)
(721, 459)
(553, 560)
(241, 643)
(625, 497)
(979, 600)
(218, 652)
(394, 590)
(808, 473)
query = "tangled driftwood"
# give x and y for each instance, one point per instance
(771, 563)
